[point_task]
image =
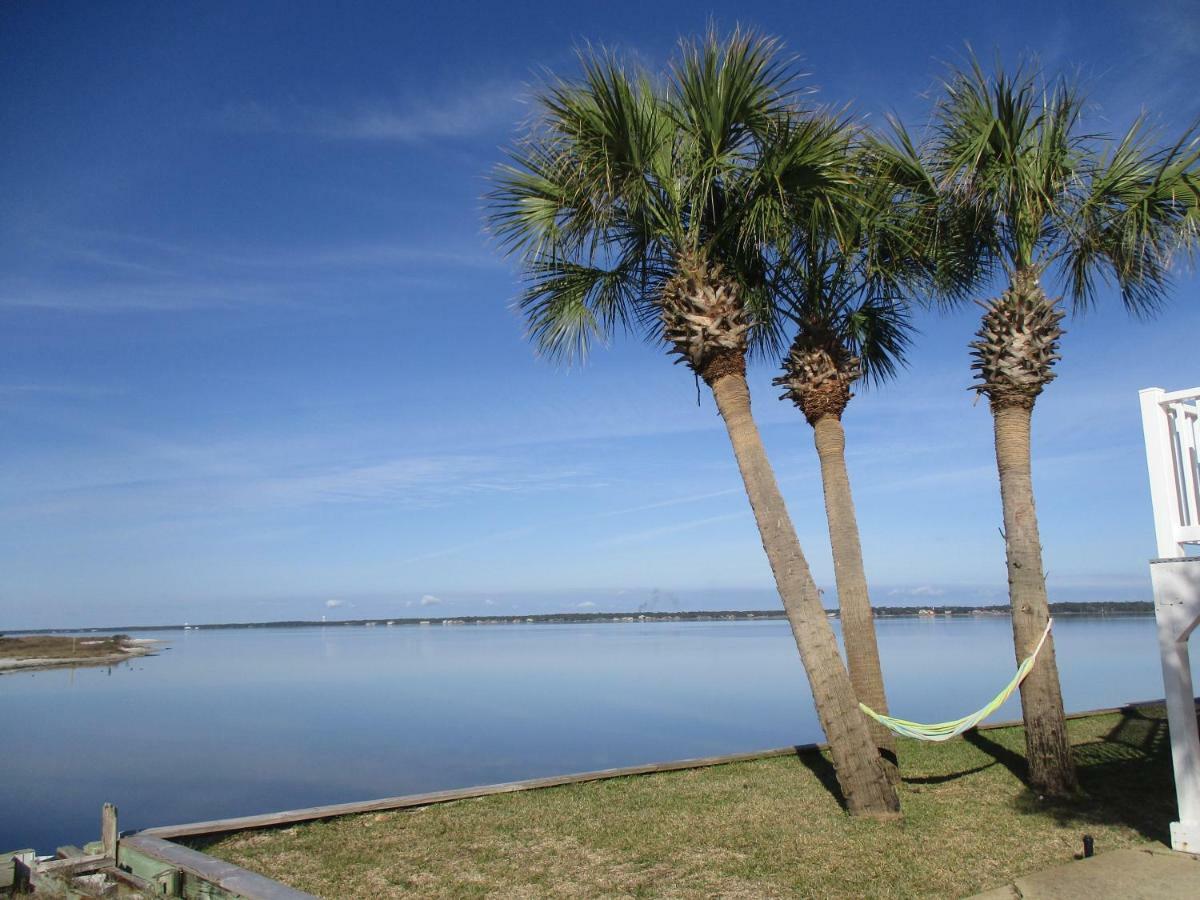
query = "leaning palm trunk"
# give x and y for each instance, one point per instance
(817, 377)
(706, 325)
(1014, 355)
(854, 600)
(859, 771)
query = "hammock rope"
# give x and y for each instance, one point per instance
(943, 731)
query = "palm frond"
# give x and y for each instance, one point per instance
(927, 243)
(805, 178)
(729, 90)
(584, 171)
(1137, 206)
(836, 303)
(1006, 149)
(880, 330)
(569, 306)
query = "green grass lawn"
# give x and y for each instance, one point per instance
(768, 828)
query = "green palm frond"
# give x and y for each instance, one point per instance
(587, 171)
(621, 175)
(837, 303)
(806, 178)
(1007, 145)
(569, 306)
(926, 242)
(728, 91)
(1023, 186)
(880, 330)
(859, 258)
(1137, 206)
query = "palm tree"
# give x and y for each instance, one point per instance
(659, 208)
(1048, 200)
(852, 325)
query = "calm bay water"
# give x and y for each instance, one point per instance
(236, 722)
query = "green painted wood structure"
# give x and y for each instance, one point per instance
(135, 865)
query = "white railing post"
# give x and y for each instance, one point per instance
(1177, 611)
(1171, 460)
(1160, 460)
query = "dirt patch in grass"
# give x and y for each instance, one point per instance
(767, 828)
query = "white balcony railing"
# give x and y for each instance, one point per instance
(1171, 426)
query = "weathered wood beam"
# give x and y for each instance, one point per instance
(224, 875)
(435, 797)
(75, 865)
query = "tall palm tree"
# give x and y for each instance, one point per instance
(1048, 200)
(852, 324)
(659, 207)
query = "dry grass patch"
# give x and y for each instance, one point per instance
(48, 646)
(768, 828)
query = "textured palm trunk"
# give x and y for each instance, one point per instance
(854, 601)
(860, 773)
(1047, 750)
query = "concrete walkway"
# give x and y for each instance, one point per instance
(1153, 874)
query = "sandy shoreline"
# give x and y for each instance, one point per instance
(136, 648)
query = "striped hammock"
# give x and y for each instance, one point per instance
(943, 731)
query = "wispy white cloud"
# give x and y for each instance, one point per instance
(106, 272)
(1164, 41)
(978, 477)
(983, 477)
(60, 390)
(674, 501)
(651, 533)
(470, 111)
(586, 604)
(430, 600)
(163, 296)
(157, 481)
(486, 540)
(395, 479)
(131, 252)
(397, 253)
(923, 590)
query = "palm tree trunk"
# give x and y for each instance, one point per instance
(854, 601)
(864, 785)
(1047, 749)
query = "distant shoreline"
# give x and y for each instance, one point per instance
(1131, 608)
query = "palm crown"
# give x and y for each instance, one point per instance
(627, 193)
(851, 315)
(1041, 193)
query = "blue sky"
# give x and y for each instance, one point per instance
(257, 359)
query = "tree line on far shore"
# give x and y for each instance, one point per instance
(1099, 608)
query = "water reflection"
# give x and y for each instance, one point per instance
(238, 722)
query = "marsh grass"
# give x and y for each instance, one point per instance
(767, 828)
(47, 646)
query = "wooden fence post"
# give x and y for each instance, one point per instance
(108, 830)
